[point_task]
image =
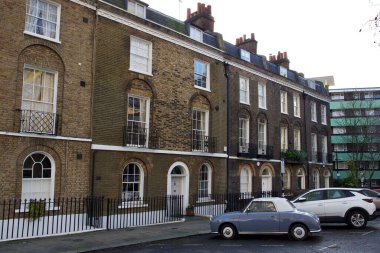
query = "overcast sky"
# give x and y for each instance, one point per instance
(321, 37)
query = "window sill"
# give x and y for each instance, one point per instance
(264, 108)
(244, 103)
(204, 200)
(140, 72)
(201, 88)
(285, 113)
(42, 37)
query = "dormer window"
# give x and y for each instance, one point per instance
(136, 9)
(245, 55)
(196, 34)
(283, 71)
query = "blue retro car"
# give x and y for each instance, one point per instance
(266, 216)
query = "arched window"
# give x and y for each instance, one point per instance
(245, 181)
(316, 178)
(133, 179)
(204, 181)
(326, 176)
(38, 177)
(300, 179)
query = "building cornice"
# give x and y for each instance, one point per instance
(84, 4)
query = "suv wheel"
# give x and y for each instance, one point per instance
(357, 219)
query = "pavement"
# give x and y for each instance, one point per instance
(104, 239)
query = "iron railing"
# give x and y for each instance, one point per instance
(265, 151)
(203, 143)
(38, 122)
(135, 136)
(36, 218)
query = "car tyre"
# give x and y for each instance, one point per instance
(357, 219)
(299, 232)
(228, 231)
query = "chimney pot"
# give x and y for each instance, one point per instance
(285, 55)
(188, 13)
(209, 9)
(244, 36)
(252, 36)
(199, 7)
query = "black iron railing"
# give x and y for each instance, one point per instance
(265, 151)
(136, 136)
(203, 143)
(248, 150)
(35, 218)
(38, 122)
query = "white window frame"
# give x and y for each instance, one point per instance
(245, 55)
(286, 179)
(135, 9)
(207, 81)
(297, 139)
(284, 138)
(196, 34)
(202, 180)
(284, 102)
(30, 180)
(141, 185)
(244, 90)
(145, 100)
(246, 181)
(205, 115)
(313, 108)
(324, 148)
(323, 115)
(283, 71)
(25, 101)
(262, 137)
(301, 179)
(135, 55)
(297, 105)
(262, 96)
(57, 30)
(243, 135)
(314, 146)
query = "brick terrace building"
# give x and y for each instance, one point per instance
(176, 109)
(46, 59)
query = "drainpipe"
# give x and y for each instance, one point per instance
(304, 95)
(226, 75)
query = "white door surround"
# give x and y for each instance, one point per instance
(178, 184)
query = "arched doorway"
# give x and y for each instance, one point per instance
(178, 182)
(266, 181)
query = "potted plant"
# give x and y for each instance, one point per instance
(190, 210)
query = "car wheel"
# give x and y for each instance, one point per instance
(228, 231)
(299, 232)
(357, 219)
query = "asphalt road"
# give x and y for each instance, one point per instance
(333, 238)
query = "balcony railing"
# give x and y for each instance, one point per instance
(294, 156)
(38, 122)
(203, 143)
(136, 137)
(248, 150)
(265, 151)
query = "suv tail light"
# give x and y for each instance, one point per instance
(368, 200)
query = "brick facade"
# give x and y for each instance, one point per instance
(71, 58)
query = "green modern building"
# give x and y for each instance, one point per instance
(355, 123)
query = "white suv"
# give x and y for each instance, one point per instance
(338, 205)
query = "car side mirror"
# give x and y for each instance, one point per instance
(302, 199)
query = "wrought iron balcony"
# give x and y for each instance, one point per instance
(136, 137)
(38, 122)
(247, 150)
(265, 151)
(294, 156)
(203, 143)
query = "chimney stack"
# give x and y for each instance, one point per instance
(201, 18)
(281, 59)
(249, 45)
